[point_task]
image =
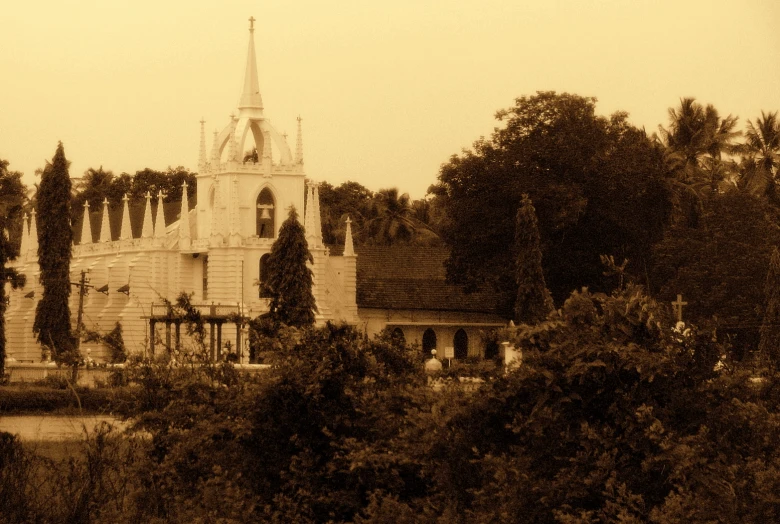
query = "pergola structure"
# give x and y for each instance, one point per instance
(215, 315)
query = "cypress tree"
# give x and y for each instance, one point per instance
(52, 316)
(290, 279)
(533, 302)
(769, 345)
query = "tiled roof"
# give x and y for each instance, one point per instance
(413, 277)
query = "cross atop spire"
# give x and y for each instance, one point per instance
(250, 96)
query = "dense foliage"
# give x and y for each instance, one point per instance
(289, 282)
(596, 183)
(720, 266)
(98, 184)
(12, 199)
(613, 416)
(52, 314)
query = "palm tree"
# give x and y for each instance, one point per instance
(761, 153)
(696, 132)
(692, 148)
(391, 217)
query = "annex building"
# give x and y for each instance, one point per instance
(136, 258)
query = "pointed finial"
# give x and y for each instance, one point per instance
(105, 225)
(126, 233)
(202, 157)
(299, 144)
(349, 248)
(184, 220)
(159, 225)
(86, 227)
(250, 95)
(148, 229)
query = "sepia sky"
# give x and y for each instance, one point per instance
(387, 91)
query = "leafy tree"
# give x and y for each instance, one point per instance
(720, 266)
(533, 302)
(289, 282)
(350, 199)
(169, 182)
(12, 197)
(596, 183)
(769, 345)
(52, 315)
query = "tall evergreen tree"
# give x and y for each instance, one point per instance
(12, 196)
(533, 302)
(290, 280)
(769, 346)
(52, 316)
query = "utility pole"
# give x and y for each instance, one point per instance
(83, 286)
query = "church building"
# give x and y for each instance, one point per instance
(216, 251)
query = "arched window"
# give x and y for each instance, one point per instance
(266, 214)
(398, 336)
(263, 275)
(461, 343)
(428, 342)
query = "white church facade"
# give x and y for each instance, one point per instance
(216, 249)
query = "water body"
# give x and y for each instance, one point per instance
(52, 428)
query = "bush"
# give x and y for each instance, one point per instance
(43, 399)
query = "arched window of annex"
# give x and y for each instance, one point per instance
(428, 342)
(397, 335)
(461, 343)
(262, 272)
(266, 214)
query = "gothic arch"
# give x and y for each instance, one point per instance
(461, 343)
(265, 214)
(428, 342)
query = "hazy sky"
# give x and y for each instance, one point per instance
(388, 91)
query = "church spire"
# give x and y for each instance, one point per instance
(86, 227)
(33, 236)
(126, 232)
(105, 226)
(159, 225)
(25, 246)
(184, 219)
(148, 228)
(250, 96)
(349, 248)
(299, 144)
(202, 159)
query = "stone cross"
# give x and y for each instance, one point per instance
(678, 305)
(251, 23)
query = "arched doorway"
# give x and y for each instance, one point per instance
(266, 214)
(428, 342)
(461, 343)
